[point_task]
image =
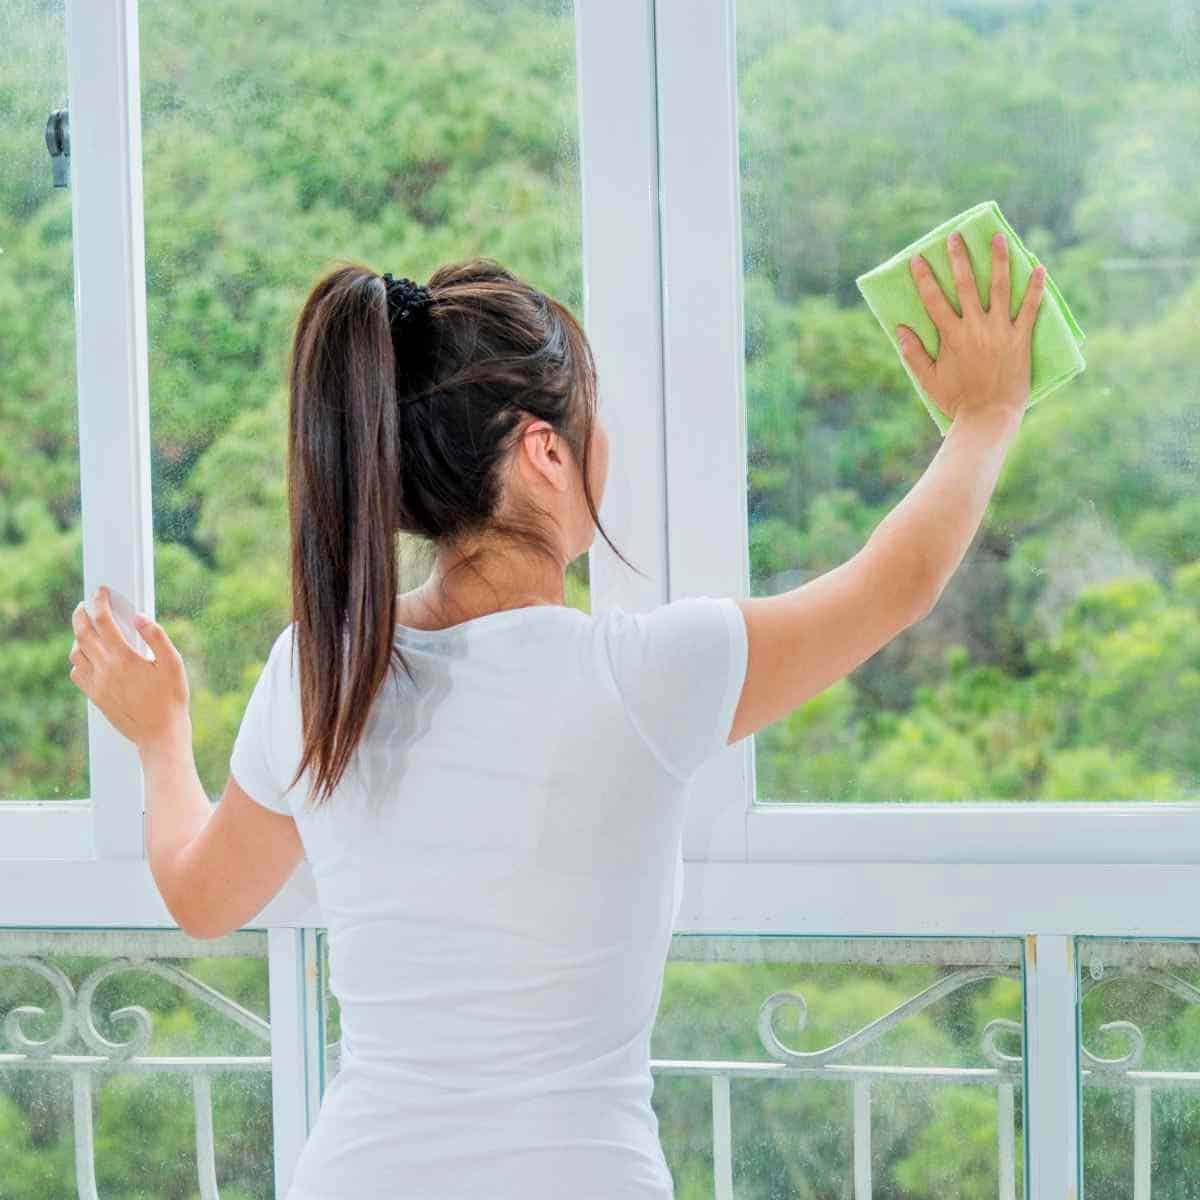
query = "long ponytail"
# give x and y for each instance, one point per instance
(343, 500)
(379, 445)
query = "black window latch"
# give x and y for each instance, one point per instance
(58, 142)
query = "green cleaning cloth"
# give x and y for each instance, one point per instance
(892, 294)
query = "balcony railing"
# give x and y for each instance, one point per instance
(1004, 1074)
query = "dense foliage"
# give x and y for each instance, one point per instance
(1062, 663)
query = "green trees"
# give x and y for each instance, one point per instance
(1062, 663)
(857, 135)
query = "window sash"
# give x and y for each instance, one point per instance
(705, 426)
(664, 313)
(113, 397)
(662, 268)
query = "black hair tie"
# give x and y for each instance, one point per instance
(404, 298)
(405, 301)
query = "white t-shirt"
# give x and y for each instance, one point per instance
(500, 912)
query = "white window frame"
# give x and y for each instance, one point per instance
(705, 429)
(663, 286)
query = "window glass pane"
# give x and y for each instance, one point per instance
(43, 715)
(136, 1063)
(1139, 1067)
(912, 1092)
(1061, 661)
(280, 138)
(893, 1089)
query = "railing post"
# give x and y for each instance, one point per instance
(722, 1139)
(1141, 1142)
(862, 1139)
(206, 1162)
(85, 1151)
(1006, 1140)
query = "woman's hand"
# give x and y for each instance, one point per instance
(146, 700)
(983, 359)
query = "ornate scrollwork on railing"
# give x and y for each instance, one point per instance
(992, 1032)
(1131, 1060)
(877, 1028)
(16, 1036)
(77, 1014)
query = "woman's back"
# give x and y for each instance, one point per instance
(500, 871)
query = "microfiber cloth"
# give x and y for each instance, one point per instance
(892, 294)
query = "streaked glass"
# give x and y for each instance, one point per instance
(139, 1062)
(280, 139)
(1062, 661)
(1139, 1067)
(43, 715)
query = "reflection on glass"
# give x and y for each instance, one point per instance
(1139, 1066)
(836, 1067)
(278, 139)
(134, 1063)
(43, 715)
(1063, 660)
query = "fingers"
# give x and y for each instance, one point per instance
(86, 634)
(964, 277)
(156, 638)
(81, 667)
(915, 355)
(107, 630)
(1000, 297)
(941, 313)
(1034, 291)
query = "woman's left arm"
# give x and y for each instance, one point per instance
(214, 868)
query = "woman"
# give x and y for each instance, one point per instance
(489, 785)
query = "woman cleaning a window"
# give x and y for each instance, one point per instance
(490, 785)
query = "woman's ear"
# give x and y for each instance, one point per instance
(544, 452)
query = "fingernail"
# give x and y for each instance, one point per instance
(954, 239)
(1039, 273)
(998, 241)
(900, 334)
(915, 261)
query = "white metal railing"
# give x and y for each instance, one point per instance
(84, 1068)
(858, 1080)
(1101, 963)
(1004, 1072)
(77, 1020)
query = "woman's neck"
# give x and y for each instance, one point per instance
(437, 603)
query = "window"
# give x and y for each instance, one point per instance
(797, 1065)
(1056, 665)
(276, 141)
(43, 729)
(651, 164)
(1138, 1065)
(168, 1045)
(1043, 710)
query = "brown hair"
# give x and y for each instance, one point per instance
(409, 435)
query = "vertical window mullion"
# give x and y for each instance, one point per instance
(296, 1045)
(111, 363)
(1052, 1068)
(703, 348)
(622, 296)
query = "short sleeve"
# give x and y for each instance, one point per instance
(253, 761)
(679, 669)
